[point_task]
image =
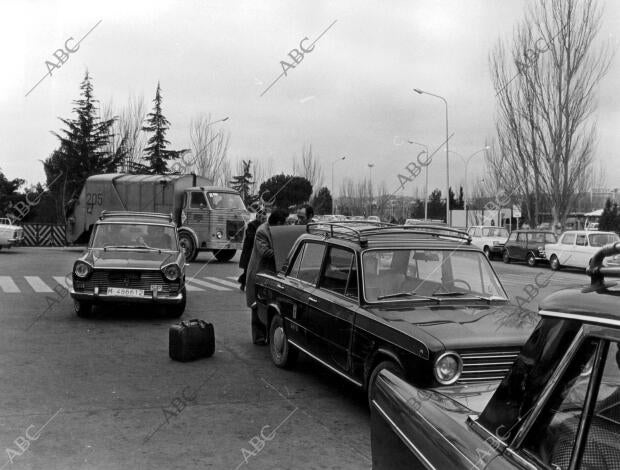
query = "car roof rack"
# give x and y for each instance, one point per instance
(107, 214)
(345, 230)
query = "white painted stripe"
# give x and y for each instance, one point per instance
(63, 281)
(7, 284)
(208, 284)
(234, 278)
(234, 285)
(191, 288)
(37, 284)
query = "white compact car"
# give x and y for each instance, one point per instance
(575, 248)
(489, 238)
(10, 235)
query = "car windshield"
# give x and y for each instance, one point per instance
(601, 239)
(139, 236)
(225, 200)
(498, 232)
(413, 274)
(542, 237)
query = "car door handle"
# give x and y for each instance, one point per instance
(279, 286)
(312, 299)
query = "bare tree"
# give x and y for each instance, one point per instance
(128, 135)
(309, 167)
(209, 151)
(544, 129)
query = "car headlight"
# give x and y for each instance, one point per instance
(172, 272)
(495, 243)
(541, 249)
(448, 367)
(81, 269)
(219, 234)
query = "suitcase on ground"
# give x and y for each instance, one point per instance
(191, 339)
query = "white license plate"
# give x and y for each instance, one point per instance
(125, 292)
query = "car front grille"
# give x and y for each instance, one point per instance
(127, 279)
(482, 365)
(234, 230)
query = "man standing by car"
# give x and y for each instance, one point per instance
(261, 260)
(305, 214)
(248, 244)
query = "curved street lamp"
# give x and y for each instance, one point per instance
(333, 192)
(466, 160)
(425, 178)
(422, 92)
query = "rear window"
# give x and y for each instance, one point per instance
(602, 239)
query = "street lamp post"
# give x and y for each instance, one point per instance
(370, 167)
(333, 190)
(466, 161)
(421, 92)
(425, 179)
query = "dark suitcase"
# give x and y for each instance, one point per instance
(191, 339)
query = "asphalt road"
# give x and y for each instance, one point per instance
(103, 394)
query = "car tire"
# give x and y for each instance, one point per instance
(506, 257)
(531, 260)
(175, 311)
(389, 365)
(186, 241)
(82, 309)
(283, 354)
(487, 252)
(224, 256)
(554, 263)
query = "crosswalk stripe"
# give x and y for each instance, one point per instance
(37, 284)
(208, 284)
(63, 281)
(234, 278)
(7, 284)
(191, 288)
(234, 285)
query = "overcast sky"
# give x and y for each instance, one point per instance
(352, 95)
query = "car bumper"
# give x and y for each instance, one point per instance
(15, 241)
(99, 297)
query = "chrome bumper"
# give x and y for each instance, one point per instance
(154, 298)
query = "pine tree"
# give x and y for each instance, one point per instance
(609, 216)
(322, 202)
(156, 153)
(82, 151)
(242, 184)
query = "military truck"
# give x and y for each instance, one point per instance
(209, 218)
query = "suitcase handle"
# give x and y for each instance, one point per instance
(195, 321)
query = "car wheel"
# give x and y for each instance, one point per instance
(506, 257)
(175, 311)
(188, 246)
(531, 260)
(554, 263)
(82, 309)
(487, 252)
(224, 255)
(283, 354)
(389, 365)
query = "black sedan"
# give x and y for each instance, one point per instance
(421, 302)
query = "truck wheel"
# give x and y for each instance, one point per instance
(82, 309)
(224, 255)
(175, 311)
(389, 365)
(188, 246)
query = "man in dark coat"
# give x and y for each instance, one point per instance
(262, 260)
(305, 215)
(248, 244)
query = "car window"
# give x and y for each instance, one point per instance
(602, 239)
(225, 200)
(551, 238)
(295, 266)
(337, 273)
(568, 239)
(310, 264)
(551, 438)
(140, 236)
(512, 237)
(427, 272)
(581, 240)
(521, 237)
(477, 233)
(197, 199)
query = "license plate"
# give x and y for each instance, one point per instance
(125, 292)
(157, 287)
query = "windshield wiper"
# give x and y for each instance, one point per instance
(468, 294)
(406, 294)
